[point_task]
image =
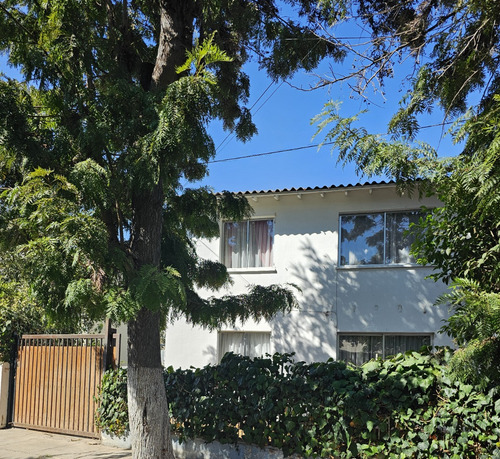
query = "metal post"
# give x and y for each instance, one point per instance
(108, 345)
(12, 379)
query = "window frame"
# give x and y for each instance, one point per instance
(429, 335)
(253, 269)
(384, 254)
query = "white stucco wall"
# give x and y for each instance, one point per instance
(332, 299)
(4, 393)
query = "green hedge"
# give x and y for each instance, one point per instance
(402, 407)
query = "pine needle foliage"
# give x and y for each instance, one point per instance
(475, 325)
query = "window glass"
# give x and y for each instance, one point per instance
(397, 344)
(398, 241)
(250, 344)
(376, 238)
(358, 349)
(235, 244)
(362, 239)
(248, 244)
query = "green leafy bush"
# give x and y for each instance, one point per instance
(18, 315)
(112, 411)
(406, 406)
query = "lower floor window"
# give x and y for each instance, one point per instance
(250, 344)
(358, 349)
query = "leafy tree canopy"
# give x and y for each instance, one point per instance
(454, 47)
(98, 140)
(99, 117)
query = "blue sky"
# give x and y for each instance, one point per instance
(283, 119)
(284, 122)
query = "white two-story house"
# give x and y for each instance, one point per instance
(361, 293)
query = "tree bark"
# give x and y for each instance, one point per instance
(176, 36)
(147, 401)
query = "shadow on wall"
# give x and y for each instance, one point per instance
(389, 300)
(310, 332)
(211, 354)
(377, 300)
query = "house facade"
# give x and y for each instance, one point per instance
(361, 293)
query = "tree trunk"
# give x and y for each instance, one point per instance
(147, 401)
(176, 37)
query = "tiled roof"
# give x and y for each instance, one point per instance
(316, 188)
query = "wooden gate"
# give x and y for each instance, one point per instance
(57, 378)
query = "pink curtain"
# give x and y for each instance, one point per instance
(248, 244)
(261, 243)
(235, 244)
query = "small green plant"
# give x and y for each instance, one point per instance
(112, 411)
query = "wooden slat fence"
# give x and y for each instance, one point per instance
(57, 378)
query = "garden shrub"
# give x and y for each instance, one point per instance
(406, 406)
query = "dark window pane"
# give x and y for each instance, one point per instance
(358, 349)
(399, 344)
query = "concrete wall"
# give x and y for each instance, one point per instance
(4, 393)
(333, 299)
(200, 449)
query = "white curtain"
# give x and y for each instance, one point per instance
(231, 342)
(235, 244)
(258, 344)
(250, 344)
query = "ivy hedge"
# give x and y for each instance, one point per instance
(406, 406)
(112, 410)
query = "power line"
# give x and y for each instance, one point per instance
(286, 150)
(271, 95)
(231, 135)
(251, 108)
(268, 153)
(217, 255)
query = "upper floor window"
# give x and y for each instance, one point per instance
(379, 238)
(248, 244)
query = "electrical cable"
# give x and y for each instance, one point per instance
(304, 147)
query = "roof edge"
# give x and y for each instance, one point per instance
(318, 189)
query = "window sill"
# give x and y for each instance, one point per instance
(394, 266)
(271, 269)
